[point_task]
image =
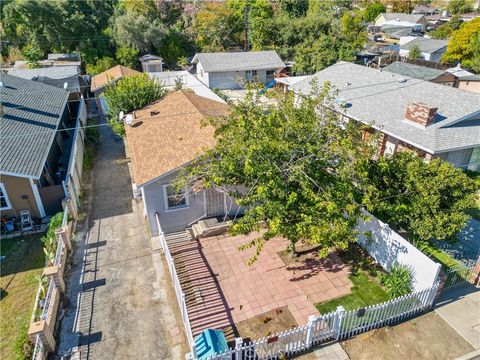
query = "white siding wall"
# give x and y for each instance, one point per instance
(387, 248)
(179, 219)
(231, 79)
(226, 80)
(202, 75)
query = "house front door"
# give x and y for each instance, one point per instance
(214, 202)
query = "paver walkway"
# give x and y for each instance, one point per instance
(119, 307)
(221, 289)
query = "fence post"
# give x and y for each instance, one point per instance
(56, 275)
(238, 348)
(310, 326)
(337, 321)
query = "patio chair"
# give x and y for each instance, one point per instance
(26, 220)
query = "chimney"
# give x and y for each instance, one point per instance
(421, 114)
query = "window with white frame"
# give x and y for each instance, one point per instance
(4, 201)
(174, 199)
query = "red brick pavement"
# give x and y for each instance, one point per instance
(221, 289)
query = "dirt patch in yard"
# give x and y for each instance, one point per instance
(426, 337)
(266, 324)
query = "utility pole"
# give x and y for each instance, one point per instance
(247, 26)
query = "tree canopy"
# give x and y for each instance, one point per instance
(429, 200)
(128, 94)
(463, 46)
(297, 166)
(175, 29)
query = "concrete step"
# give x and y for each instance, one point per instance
(178, 237)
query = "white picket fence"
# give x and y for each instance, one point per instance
(178, 289)
(336, 325)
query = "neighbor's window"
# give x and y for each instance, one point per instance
(173, 199)
(4, 202)
(270, 72)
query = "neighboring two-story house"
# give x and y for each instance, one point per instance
(232, 70)
(432, 119)
(36, 144)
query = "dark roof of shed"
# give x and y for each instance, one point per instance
(414, 71)
(31, 114)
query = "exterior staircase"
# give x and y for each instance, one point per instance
(179, 237)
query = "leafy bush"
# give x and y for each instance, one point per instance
(101, 65)
(128, 94)
(49, 239)
(398, 281)
(92, 137)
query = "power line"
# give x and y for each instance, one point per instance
(99, 125)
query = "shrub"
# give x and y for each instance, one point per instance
(128, 94)
(49, 239)
(398, 281)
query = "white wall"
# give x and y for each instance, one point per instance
(387, 247)
(178, 219)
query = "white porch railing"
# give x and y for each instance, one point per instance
(48, 300)
(178, 288)
(38, 350)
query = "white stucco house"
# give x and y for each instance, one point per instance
(431, 119)
(431, 49)
(163, 138)
(401, 18)
(231, 70)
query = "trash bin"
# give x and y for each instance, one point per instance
(9, 226)
(210, 342)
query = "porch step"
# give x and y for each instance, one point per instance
(178, 237)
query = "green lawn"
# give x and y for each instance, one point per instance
(365, 276)
(440, 256)
(24, 260)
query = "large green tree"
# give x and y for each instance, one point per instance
(463, 46)
(373, 10)
(128, 94)
(444, 31)
(297, 166)
(429, 200)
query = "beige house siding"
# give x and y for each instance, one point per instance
(20, 194)
(472, 86)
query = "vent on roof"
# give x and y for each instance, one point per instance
(153, 113)
(129, 120)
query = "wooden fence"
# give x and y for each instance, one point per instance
(336, 325)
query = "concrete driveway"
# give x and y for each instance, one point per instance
(118, 290)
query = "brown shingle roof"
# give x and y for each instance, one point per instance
(113, 74)
(168, 133)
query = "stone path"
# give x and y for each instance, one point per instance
(118, 289)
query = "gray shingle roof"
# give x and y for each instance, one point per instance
(426, 45)
(413, 18)
(238, 61)
(55, 76)
(30, 109)
(414, 71)
(382, 97)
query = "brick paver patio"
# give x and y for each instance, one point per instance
(221, 289)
